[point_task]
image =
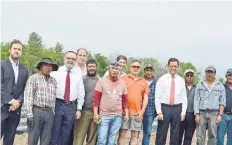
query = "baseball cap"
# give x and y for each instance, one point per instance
(229, 72)
(210, 68)
(189, 71)
(114, 64)
(148, 66)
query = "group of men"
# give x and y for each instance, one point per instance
(71, 104)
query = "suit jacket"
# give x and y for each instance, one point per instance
(10, 90)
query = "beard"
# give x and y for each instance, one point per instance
(91, 74)
(69, 66)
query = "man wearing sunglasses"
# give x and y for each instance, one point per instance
(138, 98)
(187, 127)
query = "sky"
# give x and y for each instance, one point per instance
(197, 32)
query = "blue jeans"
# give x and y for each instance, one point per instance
(107, 129)
(147, 128)
(223, 127)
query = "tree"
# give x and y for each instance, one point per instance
(221, 80)
(35, 43)
(102, 62)
(59, 47)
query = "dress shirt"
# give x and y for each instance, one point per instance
(15, 66)
(77, 90)
(162, 93)
(82, 72)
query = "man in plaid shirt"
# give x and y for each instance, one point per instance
(150, 112)
(40, 96)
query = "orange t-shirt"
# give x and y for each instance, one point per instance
(136, 90)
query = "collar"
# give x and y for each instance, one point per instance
(130, 76)
(170, 76)
(12, 62)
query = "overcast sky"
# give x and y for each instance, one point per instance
(198, 32)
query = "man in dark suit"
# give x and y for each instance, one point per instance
(13, 80)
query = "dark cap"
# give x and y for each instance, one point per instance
(229, 72)
(148, 66)
(210, 68)
(47, 61)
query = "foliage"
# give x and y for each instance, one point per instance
(189, 65)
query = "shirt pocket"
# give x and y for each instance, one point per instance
(203, 93)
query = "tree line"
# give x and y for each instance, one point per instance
(34, 50)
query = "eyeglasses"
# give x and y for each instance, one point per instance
(189, 75)
(133, 66)
(73, 59)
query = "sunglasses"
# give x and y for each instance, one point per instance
(189, 75)
(133, 66)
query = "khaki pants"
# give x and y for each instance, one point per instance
(85, 126)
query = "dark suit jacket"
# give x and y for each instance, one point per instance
(10, 90)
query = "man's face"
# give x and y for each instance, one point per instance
(70, 60)
(149, 73)
(81, 57)
(135, 68)
(229, 78)
(92, 70)
(210, 75)
(189, 77)
(46, 69)
(114, 71)
(16, 51)
(122, 63)
(173, 67)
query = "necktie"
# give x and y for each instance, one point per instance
(67, 88)
(172, 92)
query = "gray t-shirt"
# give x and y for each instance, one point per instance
(190, 95)
(89, 84)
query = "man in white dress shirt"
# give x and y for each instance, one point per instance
(69, 99)
(82, 55)
(171, 103)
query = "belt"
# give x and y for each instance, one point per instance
(42, 108)
(228, 113)
(208, 110)
(172, 106)
(66, 102)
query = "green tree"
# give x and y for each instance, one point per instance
(59, 47)
(102, 62)
(221, 80)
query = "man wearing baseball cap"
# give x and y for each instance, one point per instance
(226, 124)
(150, 112)
(187, 127)
(39, 102)
(109, 104)
(209, 102)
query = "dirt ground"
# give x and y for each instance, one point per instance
(21, 139)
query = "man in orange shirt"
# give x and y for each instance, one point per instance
(137, 100)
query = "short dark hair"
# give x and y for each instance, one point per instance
(91, 61)
(173, 60)
(82, 49)
(121, 57)
(136, 60)
(15, 41)
(69, 52)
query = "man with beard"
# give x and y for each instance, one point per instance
(69, 99)
(13, 81)
(85, 125)
(110, 101)
(40, 98)
(209, 102)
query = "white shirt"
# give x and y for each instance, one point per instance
(162, 92)
(77, 90)
(15, 66)
(82, 72)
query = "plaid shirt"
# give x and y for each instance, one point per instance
(150, 110)
(39, 92)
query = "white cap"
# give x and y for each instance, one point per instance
(189, 71)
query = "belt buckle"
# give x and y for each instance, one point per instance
(209, 110)
(67, 102)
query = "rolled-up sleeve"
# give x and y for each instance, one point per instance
(196, 100)
(81, 94)
(28, 96)
(222, 98)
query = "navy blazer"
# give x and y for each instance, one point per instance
(10, 90)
